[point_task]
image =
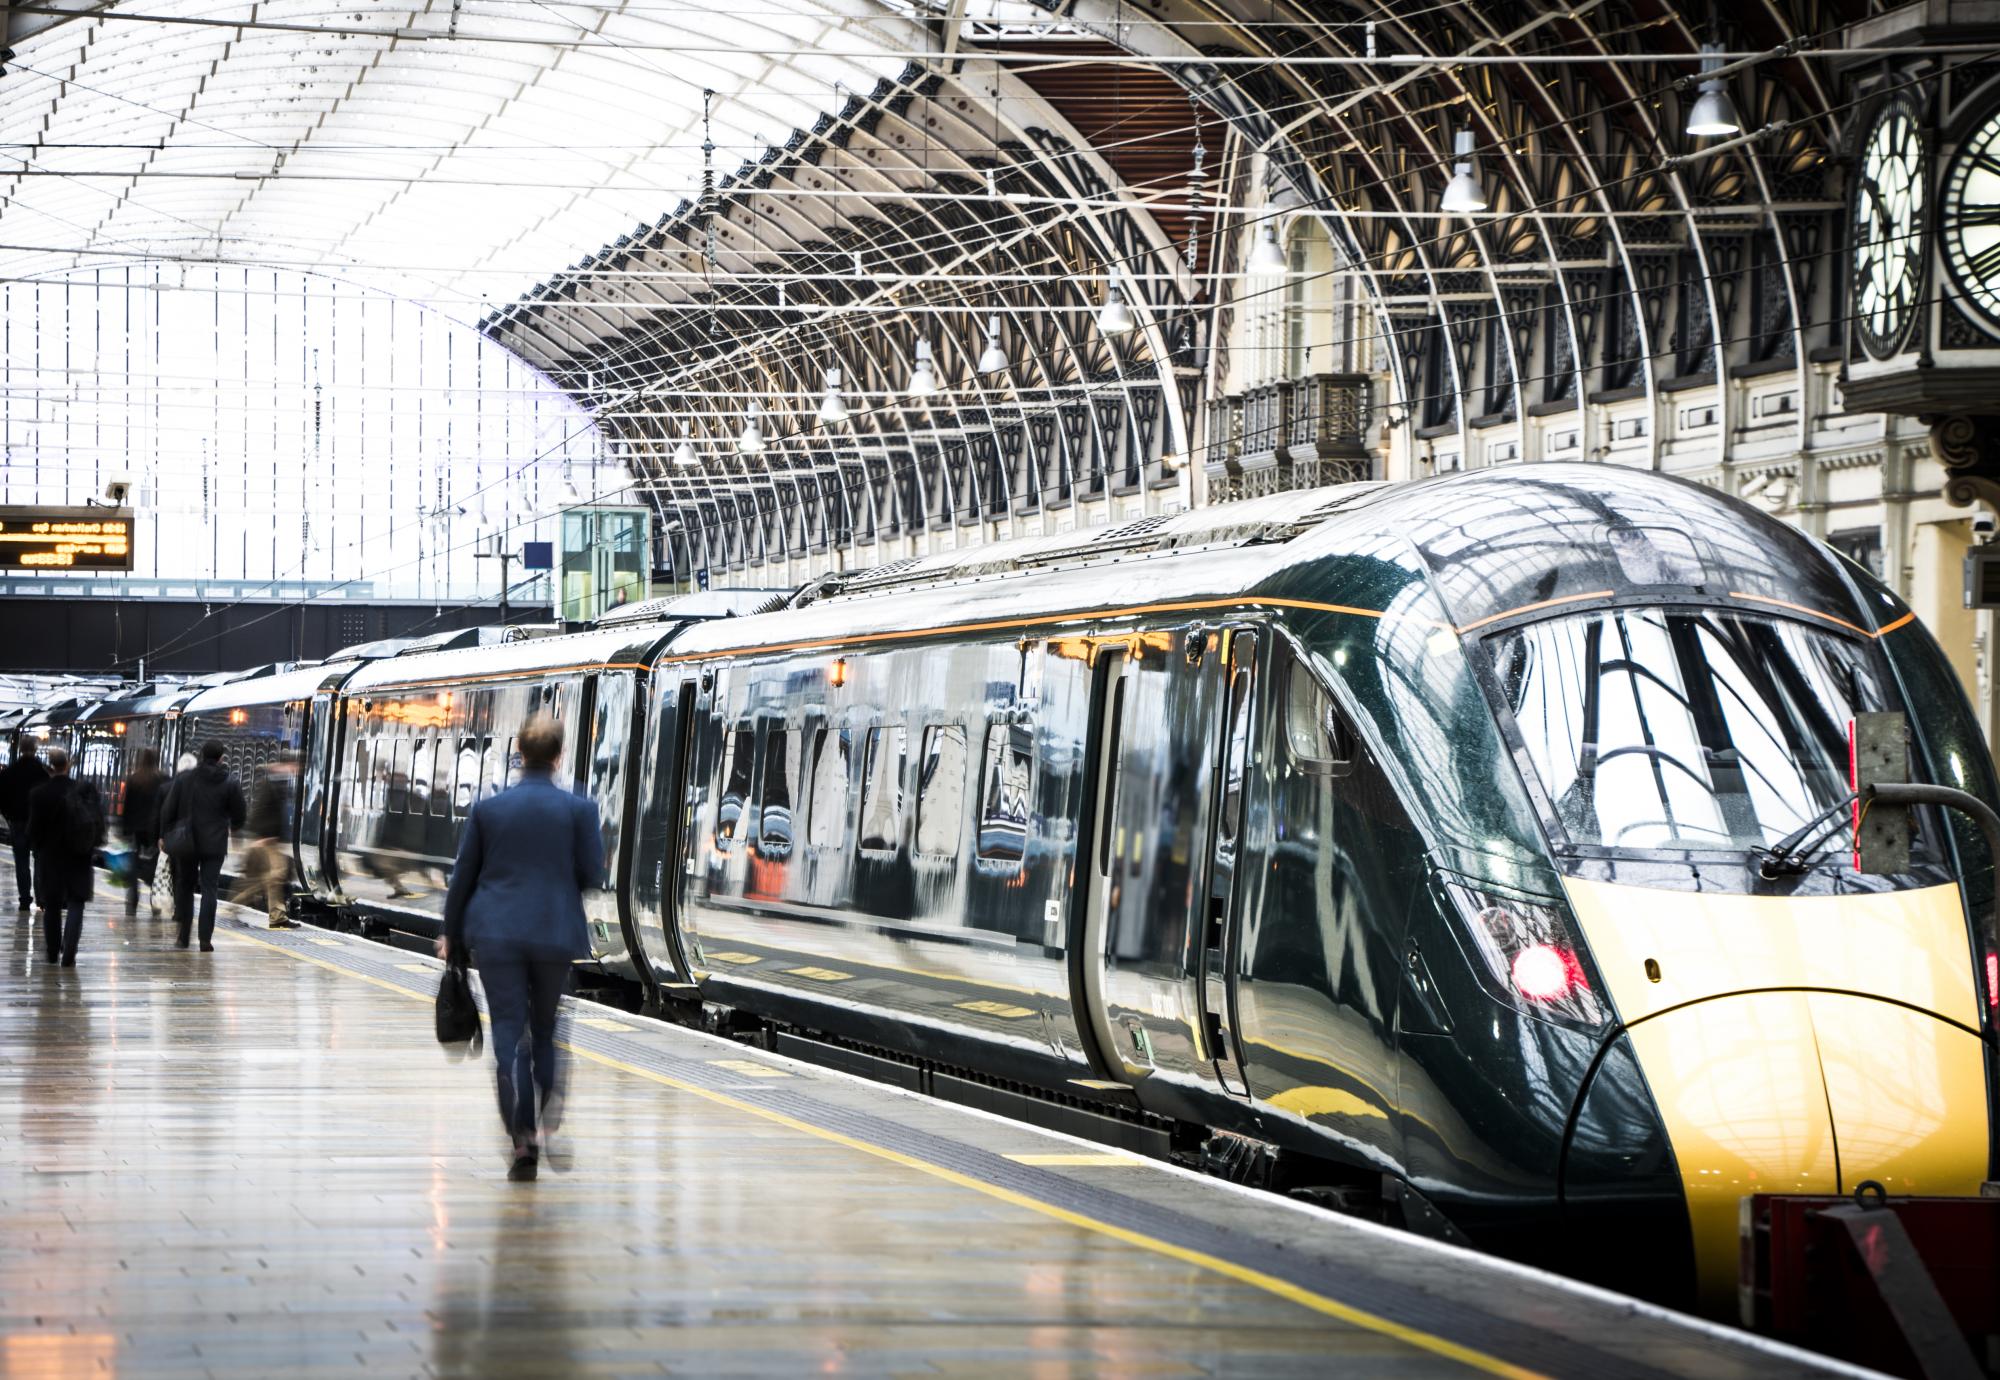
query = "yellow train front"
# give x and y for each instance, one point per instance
(1692, 994)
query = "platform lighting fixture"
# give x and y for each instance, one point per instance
(832, 409)
(684, 455)
(1268, 257)
(992, 359)
(1114, 318)
(923, 378)
(751, 441)
(1713, 113)
(1463, 194)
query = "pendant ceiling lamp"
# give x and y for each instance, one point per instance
(751, 441)
(923, 378)
(684, 455)
(833, 410)
(1115, 317)
(1463, 194)
(1713, 112)
(1268, 258)
(992, 359)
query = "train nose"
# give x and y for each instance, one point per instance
(1797, 1044)
(1808, 1092)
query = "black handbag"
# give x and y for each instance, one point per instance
(179, 841)
(457, 1012)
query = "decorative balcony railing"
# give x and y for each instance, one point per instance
(1293, 434)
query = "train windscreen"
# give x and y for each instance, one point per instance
(1685, 729)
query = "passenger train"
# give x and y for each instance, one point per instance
(1401, 844)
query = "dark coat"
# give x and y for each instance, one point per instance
(210, 797)
(527, 856)
(63, 876)
(141, 817)
(18, 781)
(272, 801)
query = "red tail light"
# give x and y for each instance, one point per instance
(1992, 978)
(1535, 958)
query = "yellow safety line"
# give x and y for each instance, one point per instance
(1243, 1274)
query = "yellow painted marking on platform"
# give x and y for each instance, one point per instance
(820, 974)
(750, 1067)
(1256, 1279)
(995, 1008)
(416, 967)
(1076, 1158)
(735, 958)
(602, 1023)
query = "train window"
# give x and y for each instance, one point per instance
(941, 790)
(399, 778)
(739, 749)
(1237, 750)
(493, 769)
(882, 788)
(826, 808)
(1319, 735)
(441, 769)
(420, 777)
(781, 769)
(467, 788)
(1004, 801)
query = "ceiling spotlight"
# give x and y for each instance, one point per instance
(1463, 194)
(1269, 256)
(1115, 317)
(1713, 113)
(684, 455)
(833, 410)
(751, 442)
(992, 359)
(923, 378)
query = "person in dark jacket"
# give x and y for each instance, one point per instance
(267, 863)
(516, 903)
(139, 819)
(210, 799)
(65, 855)
(19, 781)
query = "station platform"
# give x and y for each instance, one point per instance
(259, 1162)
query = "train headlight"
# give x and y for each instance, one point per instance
(1531, 954)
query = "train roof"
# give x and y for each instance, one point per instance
(135, 702)
(614, 646)
(280, 686)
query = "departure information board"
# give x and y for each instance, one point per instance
(65, 539)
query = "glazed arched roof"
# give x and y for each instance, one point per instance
(449, 150)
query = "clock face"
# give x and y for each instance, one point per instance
(1969, 221)
(1889, 197)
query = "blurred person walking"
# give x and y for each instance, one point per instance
(65, 828)
(202, 806)
(267, 865)
(515, 907)
(17, 782)
(139, 821)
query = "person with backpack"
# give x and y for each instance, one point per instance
(20, 780)
(202, 807)
(65, 828)
(139, 819)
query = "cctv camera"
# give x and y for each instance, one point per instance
(117, 490)
(1985, 526)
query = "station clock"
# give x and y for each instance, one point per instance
(1969, 221)
(1890, 202)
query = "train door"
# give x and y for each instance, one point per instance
(1221, 924)
(665, 813)
(318, 773)
(603, 730)
(1141, 860)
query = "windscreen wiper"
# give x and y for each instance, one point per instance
(1791, 855)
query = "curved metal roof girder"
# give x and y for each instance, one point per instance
(1302, 174)
(776, 214)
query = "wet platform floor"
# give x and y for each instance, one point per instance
(258, 1162)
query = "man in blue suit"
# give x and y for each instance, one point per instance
(516, 904)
